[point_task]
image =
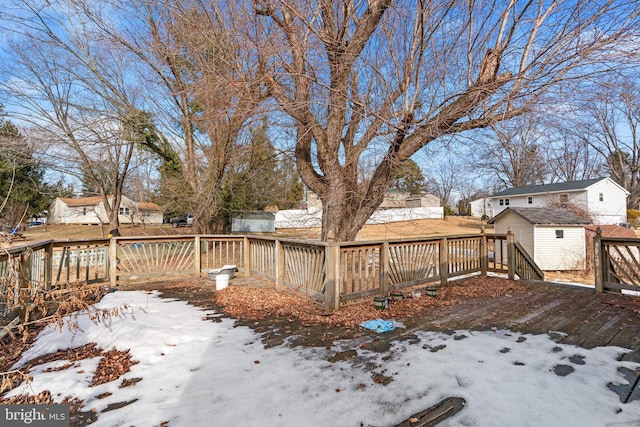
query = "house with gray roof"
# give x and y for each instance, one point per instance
(553, 237)
(601, 199)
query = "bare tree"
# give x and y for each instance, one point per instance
(444, 177)
(202, 83)
(514, 152)
(76, 97)
(570, 157)
(608, 120)
(382, 79)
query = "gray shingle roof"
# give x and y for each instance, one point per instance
(548, 188)
(555, 216)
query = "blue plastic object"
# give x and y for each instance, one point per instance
(379, 325)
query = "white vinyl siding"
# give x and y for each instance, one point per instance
(613, 209)
(567, 253)
(521, 228)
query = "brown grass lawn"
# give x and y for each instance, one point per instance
(59, 232)
(450, 225)
(427, 227)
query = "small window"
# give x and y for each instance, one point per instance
(501, 202)
(506, 202)
(601, 197)
(559, 234)
(564, 198)
(123, 211)
(530, 200)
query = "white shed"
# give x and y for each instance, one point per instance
(554, 237)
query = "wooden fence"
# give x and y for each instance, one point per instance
(331, 272)
(616, 263)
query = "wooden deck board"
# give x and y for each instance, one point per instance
(609, 327)
(576, 316)
(627, 335)
(562, 318)
(487, 314)
(515, 309)
(464, 319)
(581, 317)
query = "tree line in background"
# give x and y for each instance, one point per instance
(217, 107)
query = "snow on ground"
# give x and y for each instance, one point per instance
(196, 372)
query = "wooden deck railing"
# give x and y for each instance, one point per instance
(523, 264)
(616, 263)
(40, 267)
(331, 272)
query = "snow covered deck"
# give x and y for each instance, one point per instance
(190, 370)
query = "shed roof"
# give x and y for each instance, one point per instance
(549, 188)
(545, 216)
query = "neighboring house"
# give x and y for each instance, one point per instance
(554, 237)
(482, 207)
(90, 210)
(601, 199)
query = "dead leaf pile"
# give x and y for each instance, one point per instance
(254, 304)
(112, 365)
(43, 398)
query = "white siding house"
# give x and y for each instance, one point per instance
(90, 210)
(482, 207)
(601, 199)
(554, 237)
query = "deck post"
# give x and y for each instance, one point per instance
(484, 253)
(331, 288)
(384, 267)
(511, 260)
(597, 261)
(24, 274)
(197, 256)
(247, 256)
(280, 266)
(48, 265)
(444, 262)
(113, 262)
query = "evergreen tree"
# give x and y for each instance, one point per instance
(20, 177)
(409, 178)
(263, 177)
